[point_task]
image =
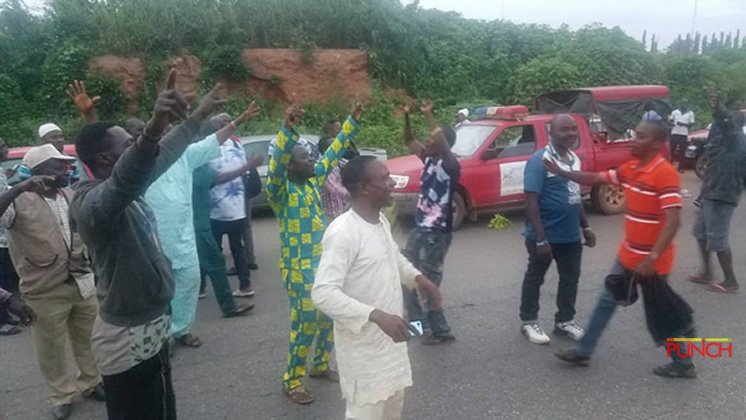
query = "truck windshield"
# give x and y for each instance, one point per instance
(470, 137)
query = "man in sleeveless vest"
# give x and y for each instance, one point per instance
(55, 276)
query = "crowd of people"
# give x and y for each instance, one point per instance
(115, 265)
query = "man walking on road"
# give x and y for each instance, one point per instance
(359, 285)
(651, 187)
(429, 241)
(229, 214)
(211, 259)
(554, 220)
(721, 190)
(56, 279)
(682, 120)
(293, 184)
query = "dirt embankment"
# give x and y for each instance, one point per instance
(281, 75)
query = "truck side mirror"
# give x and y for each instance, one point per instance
(489, 154)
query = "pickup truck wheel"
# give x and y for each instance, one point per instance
(459, 211)
(700, 167)
(608, 199)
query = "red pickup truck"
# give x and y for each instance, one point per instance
(493, 151)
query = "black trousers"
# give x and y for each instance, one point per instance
(235, 230)
(678, 144)
(8, 280)
(144, 392)
(567, 257)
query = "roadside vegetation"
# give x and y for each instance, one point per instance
(424, 53)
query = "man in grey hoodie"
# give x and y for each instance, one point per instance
(135, 283)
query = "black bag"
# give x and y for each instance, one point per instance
(667, 314)
(252, 184)
(622, 287)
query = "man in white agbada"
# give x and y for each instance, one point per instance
(358, 285)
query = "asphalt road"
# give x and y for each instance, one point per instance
(490, 372)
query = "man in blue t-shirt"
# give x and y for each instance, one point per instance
(429, 241)
(554, 218)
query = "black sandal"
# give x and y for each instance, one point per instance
(189, 340)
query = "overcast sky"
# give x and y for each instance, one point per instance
(665, 18)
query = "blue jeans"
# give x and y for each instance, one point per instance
(601, 316)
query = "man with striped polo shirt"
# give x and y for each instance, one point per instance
(651, 186)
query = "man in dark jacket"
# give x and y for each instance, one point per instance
(135, 283)
(720, 193)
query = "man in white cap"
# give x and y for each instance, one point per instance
(56, 280)
(50, 133)
(461, 118)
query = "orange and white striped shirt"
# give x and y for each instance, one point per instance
(649, 190)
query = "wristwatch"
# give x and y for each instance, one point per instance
(542, 243)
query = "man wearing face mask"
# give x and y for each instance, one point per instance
(55, 276)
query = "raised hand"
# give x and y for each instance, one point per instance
(38, 184)
(427, 107)
(169, 107)
(293, 115)
(77, 92)
(251, 112)
(210, 103)
(357, 110)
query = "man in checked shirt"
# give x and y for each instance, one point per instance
(293, 184)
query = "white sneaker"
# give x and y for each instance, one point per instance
(569, 329)
(534, 333)
(243, 293)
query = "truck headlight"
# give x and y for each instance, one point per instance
(401, 181)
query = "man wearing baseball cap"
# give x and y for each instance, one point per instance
(56, 280)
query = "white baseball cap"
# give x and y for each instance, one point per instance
(464, 111)
(40, 154)
(45, 129)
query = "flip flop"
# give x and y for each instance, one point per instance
(719, 288)
(696, 278)
(299, 395)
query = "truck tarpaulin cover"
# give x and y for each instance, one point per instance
(617, 115)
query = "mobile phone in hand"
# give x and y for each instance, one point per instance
(416, 326)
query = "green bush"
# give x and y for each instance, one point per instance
(426, 53)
